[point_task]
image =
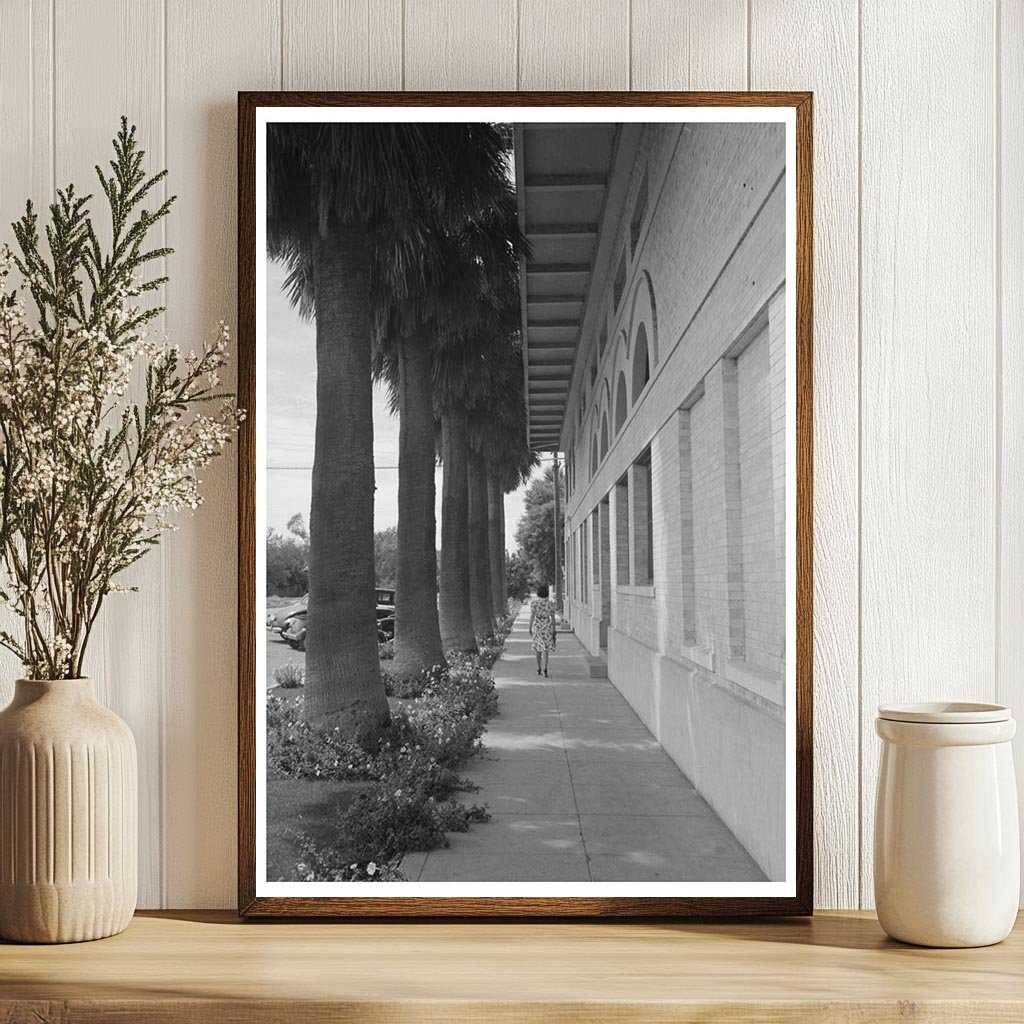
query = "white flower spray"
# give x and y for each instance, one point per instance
(89, 478)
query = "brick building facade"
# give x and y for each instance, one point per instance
(674, 435)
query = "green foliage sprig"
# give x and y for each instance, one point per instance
(90, 477)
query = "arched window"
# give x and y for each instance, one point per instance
(641, 363)
(593, 458)
(620, 403)
(604, 435)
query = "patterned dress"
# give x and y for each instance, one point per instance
(543, 624)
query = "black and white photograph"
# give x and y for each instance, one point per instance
(525, 502)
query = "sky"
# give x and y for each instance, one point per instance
(291, 418)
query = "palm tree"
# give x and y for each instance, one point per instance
(417, 630)
(332, 191)
(439, 283)
(508, 460)
(456, 615)
(481, 600)
(496, 542)
(465, 380)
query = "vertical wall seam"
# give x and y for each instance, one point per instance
(997, 233)
(162, 696)
(403, 12)
(859, 880)
(33, 170)
(629, 44)
(519, 29)
(749, 25)
(53, 97)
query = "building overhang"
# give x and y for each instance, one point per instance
(569, 182)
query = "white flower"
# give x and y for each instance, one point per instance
(371, 868)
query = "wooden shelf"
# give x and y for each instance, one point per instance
(210, 967)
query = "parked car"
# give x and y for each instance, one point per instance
(277, 617)
(385, 614)
(293, 625)
(294, 631)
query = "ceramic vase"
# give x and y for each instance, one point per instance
(947, 847)
(68, 815)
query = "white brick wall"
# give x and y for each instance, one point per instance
(705, 283)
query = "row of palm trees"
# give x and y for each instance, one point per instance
(402, 243)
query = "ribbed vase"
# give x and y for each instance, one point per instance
(68, 815)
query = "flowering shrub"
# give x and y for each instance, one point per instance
(326, 864)
(489, 649)
(389, 823)
(298, 750)
(414, 761)
(441, 726)
(386, 650)
(507, 621)
(409, 686)
(89, 477)
(290, 676)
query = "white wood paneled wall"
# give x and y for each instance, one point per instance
(919, 317)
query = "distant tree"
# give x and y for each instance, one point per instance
(535, 533)
(518, 576)
(297, 525)
(385, 556)
(288, 560)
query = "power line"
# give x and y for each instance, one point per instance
(309, 469)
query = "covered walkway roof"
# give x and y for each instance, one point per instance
(566, 177)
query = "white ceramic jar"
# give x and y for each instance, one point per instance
(947, 847)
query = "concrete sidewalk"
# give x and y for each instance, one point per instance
(578, 789)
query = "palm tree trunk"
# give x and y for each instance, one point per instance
(455, 612)
(496, 544)
(343, 684)
(417, 632)
(480, 597)
(504, 560)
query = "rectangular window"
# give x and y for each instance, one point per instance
(643, 521)
(686, 529)
(579, 568)
(706, 436)
(586, 563)
(763, 585)
(571, 568)
(622, 532)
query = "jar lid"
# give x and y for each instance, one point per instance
(945, 713)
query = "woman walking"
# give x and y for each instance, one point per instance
(542, 627)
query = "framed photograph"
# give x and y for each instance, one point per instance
(525, 497)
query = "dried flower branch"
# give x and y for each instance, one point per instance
(89, 478)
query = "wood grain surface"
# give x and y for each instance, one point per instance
(209, 967)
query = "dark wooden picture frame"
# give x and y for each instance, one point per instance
(613, 907)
